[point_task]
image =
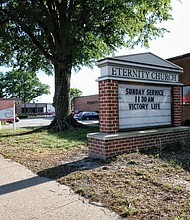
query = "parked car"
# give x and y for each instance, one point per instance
(16, 120)
(88, 116)
(75, 116)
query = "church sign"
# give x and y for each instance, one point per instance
(145, 84)
(139, 105)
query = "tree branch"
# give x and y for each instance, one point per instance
(52, 7)
(27, 30)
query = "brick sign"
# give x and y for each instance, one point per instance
(144, 106)
(137, 92)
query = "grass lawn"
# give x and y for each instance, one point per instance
(140, 185)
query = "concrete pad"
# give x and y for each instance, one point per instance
(25, 196)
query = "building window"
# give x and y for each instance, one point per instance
(185, 98)
(92, 102)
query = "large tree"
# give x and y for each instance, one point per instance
(66, 34)
(23, 85)
(2, 95)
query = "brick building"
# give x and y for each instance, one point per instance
(86, 103)
(184, 62)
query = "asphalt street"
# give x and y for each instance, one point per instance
(30, 122)
(42, 121)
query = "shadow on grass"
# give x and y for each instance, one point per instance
(77, 134)
(70, 167)
(32, 130)
(176, 154)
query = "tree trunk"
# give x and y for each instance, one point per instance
(63, 117)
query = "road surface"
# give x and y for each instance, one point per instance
(42, 121)
(30, 122)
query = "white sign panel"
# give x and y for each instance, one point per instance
(144, 106)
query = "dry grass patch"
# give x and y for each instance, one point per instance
(39, 149)
(153, 184)
(136, 186)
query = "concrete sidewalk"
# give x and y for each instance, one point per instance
(24, 195)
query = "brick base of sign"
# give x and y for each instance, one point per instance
(104, 145)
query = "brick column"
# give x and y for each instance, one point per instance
(177, 111)
(108, 106)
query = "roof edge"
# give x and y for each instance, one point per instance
(179, 57)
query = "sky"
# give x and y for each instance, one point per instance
(174, 43)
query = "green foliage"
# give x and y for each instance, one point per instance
(67, 34)
(24, 85)
(74, 92)
(33, 32)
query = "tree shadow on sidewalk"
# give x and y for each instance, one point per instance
(22, 184)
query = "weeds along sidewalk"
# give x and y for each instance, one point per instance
(24, 195)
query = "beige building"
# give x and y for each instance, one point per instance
(38, 108)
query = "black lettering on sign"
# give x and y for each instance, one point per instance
(143, 99)
(155, 105)
(137, 98)
(150, 99)
(135, 91)
(154, 92)
(138, 106)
